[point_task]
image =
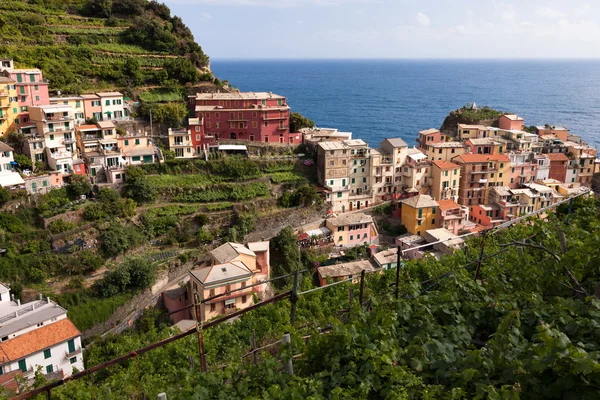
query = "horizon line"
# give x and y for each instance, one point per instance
(401, 59)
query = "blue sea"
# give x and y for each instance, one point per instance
(378, 99)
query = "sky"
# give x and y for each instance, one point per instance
(261, 29)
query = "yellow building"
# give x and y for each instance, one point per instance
(9, 106)
(76, 103)
(465, 131)
(419, 214)
(445, 180)
(444, 151)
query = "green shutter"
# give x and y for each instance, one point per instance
(47, 353)
(126, 142)
(137, 141)
(23, 365)
(71, 344)
(49, 369)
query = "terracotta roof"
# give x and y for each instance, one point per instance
(351, 219)
(557, 157)
(420, 201)
(5, 147)
(345, 270)
(7, 380)
(221, 273)
(447, 205)
(38, 340)
(445, 165)
(429, 131)
(396, 142)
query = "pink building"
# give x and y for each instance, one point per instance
(510, 122)
(430, 136)
(92, 105)
(524, 168)
(350, 230)
(452, 216)
(260, 117)
(176, 299)
(32, 90)
(486, 215)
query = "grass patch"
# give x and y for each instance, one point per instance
(86, 311)
(160, 96)
(219, 206)
(179, 181)
(285, 177)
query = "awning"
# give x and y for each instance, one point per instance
(11, 179)
(230, 301)
(412, 190)
(238, 147)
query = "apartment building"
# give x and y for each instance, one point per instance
(428, 137)
(261, 117)
(452, 217)
(466, 131)
(313, 136)
(180, 141)
(520, 141)
(417, 173)
(486, 215)
(543, 166)
(99, 148)
(92, 106)
(76, 103)
(523, 169)
(445, 180)
(511, 122)
(508, 206)
(560, 132)
(445, 151)
(387, 164)
(37, 334)
(137, 148)
(558, 166)
(478, 173)
(55, 123)
(344, 169)
(419, 213)
(486, 145)
(352, 230)
(9, 105)
(31, 88)
(233, 266)
(113, 106)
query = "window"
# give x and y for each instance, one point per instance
(71, 345)
(31, 77)
(353, 180)
(137, 141)
(419, 222)
(51, 137)
(23, 365)
(351, 237)
(340, 239)
(47, 353)
(135, 158)
(213, 307)
(420, 213)
(340, 228)
(266, 123)
(433, 210)
(49, 369)
(244, 298)
(107, 103)
(339, 195)
(72, 360)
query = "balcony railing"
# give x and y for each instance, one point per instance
(68, 140)
(59, 118)
(73, 353)
(61, 154)
(3, 93)
(282, 128)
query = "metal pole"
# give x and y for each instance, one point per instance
(481, 247)
(398, 273)
(200, 337)
(288, 366)
(362, 287)
(294, 299)
(254, 345)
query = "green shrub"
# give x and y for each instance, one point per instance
(59, 226)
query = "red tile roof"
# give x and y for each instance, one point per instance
(445, 165)
(447, 205)
(7, 380)
(38, 340)
(557, 157)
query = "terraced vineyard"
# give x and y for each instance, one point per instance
(80, 46)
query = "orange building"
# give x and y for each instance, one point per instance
(511, 122)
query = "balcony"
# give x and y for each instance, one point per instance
(73, 353)
(237, 120)
(59, 118)
(4, 106)
(387, 161)
(3, 117)
(483, 181)
(186, 143)
(91, 137)
(68, 140)
(269, 118)
(282, 128)
(61, 154)
(58, 129)
(3, 93)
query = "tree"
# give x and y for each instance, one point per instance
(131, 73)
(298, 121)
(101, 8)
(181, 70)
(23, 161)
(285, 254)
(78, 186)
(138, 186)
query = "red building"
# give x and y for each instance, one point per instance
(558, 166)
(260, 117)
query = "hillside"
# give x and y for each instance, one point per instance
(95, 44)
(467, 115)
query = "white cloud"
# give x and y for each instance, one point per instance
(206, 17)
(271, 3)
(422, 19)
(548, 13)
(469, 11)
